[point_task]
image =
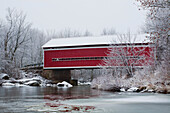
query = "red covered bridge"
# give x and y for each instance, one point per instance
(89, 52)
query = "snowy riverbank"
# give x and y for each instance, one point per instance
(34, 80)
(152, 83)
(146, 83)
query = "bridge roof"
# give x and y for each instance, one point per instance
(96, 40)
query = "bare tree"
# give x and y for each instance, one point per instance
(107, 31)
(127, 56)
(87, 33)
(16, 33)
(66, 33)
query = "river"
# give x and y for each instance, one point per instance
(79, 99)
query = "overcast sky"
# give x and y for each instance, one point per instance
(93, 15)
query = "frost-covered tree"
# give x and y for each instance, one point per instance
(157, 25)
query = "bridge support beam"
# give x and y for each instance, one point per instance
(57, 75)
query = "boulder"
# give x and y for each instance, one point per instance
(84, 83)
(122, 90)
(64, 84)
(49, 85)
(161, 90)
(13, 81)
(4, 76)
(38, 79)
(151, 90)
(8, 84)
(114, 89)
(32, 83)
(133, 89)
(150, 87)
(1, 82)
(142, 88)
(19, 85)
(168, 89)
(147, 88)
(95, 86)
(24, 80)
(164, 90)
(168, 83)
(143, 91)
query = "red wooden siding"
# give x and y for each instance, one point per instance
(59, 58)
(138, 56)
(73, 53)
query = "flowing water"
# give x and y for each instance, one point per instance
(80, 99)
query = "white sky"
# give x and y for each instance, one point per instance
(93, 15)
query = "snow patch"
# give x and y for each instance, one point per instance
(122, 90)
(64, 84)
(8, 84)
(132, 89)
(84, 83)
(32, 83)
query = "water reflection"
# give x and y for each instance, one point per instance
(26, 91)
(80, 98)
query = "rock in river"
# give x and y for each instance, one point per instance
(64, 84)
(32, 83)
(133, 89)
